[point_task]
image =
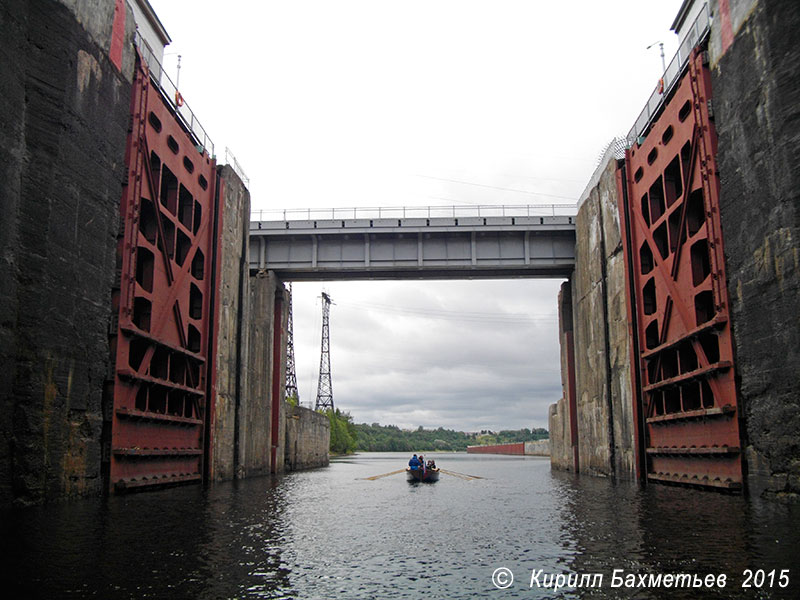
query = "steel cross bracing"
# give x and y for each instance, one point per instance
(291, 374)
(689, 411)
(465, 247)
(324, 386)
(156, 403)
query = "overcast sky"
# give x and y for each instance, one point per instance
(331, 103)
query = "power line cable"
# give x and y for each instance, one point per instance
(444, 311)
(495, 187)
(461, 316)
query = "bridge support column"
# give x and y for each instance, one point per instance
(277, 434)
(565, 311)
(595, 341)
(563, 417)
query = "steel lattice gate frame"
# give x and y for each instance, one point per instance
(156, 432)
(688, 417)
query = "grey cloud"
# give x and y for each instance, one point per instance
(485, 356)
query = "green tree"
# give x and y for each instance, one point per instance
(343, 432)
(390, 438)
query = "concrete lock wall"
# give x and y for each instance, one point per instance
(559, 423)
(255, 421)
(756, 84)
(537, 448)
(233, 313)
(64, 112)
(754, 79)
(248, 366)
(308, 438)
(67, 81)
(560, 443)
(603, 392)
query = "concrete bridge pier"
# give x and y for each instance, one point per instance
(250, 434)
(592, 424)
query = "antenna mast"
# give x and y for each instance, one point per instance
(324, 386)
(291, 374)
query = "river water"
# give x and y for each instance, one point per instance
(329, 533)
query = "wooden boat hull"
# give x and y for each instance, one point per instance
(426, 476)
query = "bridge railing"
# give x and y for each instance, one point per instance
(410, 212)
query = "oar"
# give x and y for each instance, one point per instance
(374, 477)
(461, 475)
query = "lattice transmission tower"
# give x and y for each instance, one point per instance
(324, 386)
(291, 373)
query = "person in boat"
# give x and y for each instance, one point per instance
(421, 462)
(414, 463)
(431, 464)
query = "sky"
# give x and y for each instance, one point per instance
(366, 103)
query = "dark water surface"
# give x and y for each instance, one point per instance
(328, 534)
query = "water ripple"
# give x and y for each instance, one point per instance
(328, 534)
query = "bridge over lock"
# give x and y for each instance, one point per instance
(462, 242)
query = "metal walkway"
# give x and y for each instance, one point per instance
(475, 242)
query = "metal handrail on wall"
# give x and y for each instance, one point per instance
(170, 93)
(410, 212)
(230, 159)
(696, 34)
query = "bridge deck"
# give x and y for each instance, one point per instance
(415, 248)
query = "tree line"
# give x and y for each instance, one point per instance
(348, 437)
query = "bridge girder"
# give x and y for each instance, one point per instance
(436, 248)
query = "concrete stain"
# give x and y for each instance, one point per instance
(50, 394)
(87, 67)
(770, 258)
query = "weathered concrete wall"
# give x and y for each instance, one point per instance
(562, 451)
(256, 441)
(234, 313)
(537, 448)
(560, 445)
(308, 438)
(279, 440)
(248, 365)
(756, 85)
(255, 422)
(64, 112)
(602, 356)
(726, 25)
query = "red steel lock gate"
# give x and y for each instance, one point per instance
(165, 260)
(689, 413)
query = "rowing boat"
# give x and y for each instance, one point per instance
(424, 475)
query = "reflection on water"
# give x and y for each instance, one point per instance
(329, 533)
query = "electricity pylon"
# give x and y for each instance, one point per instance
(324, 386)
(291, 374)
